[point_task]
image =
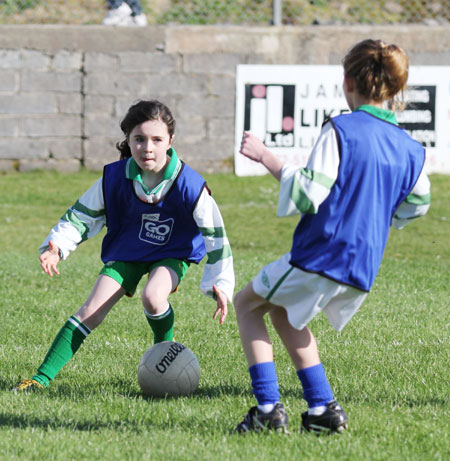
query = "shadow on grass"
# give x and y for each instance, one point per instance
(26, 421)
(192, 423)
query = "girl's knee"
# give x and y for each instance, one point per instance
(154, 304)
(247, 299)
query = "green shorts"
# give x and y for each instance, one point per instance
(129, 274)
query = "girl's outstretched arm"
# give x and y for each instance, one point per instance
(84, 219)
(254, 149)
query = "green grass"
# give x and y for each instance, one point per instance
(388, 367)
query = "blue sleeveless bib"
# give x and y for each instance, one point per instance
(142, 232)
(379, 165)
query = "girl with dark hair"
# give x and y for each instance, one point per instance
(160, 218)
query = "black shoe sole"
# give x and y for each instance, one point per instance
(320, 430)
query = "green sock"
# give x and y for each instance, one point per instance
(64, 346)
(162, 325)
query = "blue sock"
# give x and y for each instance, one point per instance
(265, 383)
(316, 389)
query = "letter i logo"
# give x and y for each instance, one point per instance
(269, 113)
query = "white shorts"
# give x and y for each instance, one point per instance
(305, 294)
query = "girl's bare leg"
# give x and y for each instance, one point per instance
(161, 282)
(103, 297)
(250, 310)
(300, 344)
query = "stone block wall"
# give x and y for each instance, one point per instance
(64, 89)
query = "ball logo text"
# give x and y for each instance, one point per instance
(174, 350)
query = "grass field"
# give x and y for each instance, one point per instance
(389, 367)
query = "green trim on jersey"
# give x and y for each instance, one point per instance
(87, 211)
(318, 178)
(217, 255)
(383, 114)
(303, 204)
(415, 199)
(76, 222)
(301, 201)
(212, 232)
(71, 217)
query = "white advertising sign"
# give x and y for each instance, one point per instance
(285, 107)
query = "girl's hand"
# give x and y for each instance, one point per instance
(252, 147)
(50, 259)
(222, 305)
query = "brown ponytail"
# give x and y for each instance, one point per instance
(380, 70)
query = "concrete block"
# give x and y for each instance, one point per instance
(207, 156)
(48, 125)
(65, 148)
(95, 104)
(24, 59)
(221, 148)
(209, 106)
(261, 59)
(132, 84)
(9, 126)
(94, 62)
(65, 166)
(149, 62)
(190, 130)
(9, 80)
(210, 164)
(10, 59)
(22, 148)
(72, 37)
(99, 151)
(101, 125)
(177, 84)
(33, 164)
(222, 85)
(100, 83)
(428, 59)
(118, 84)
(223, 39)
(221, 128)
(32, 103)
(35, 60)
(69, 103)
(209, 63)
(51, 81)
(123, 103)
(67, 60)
